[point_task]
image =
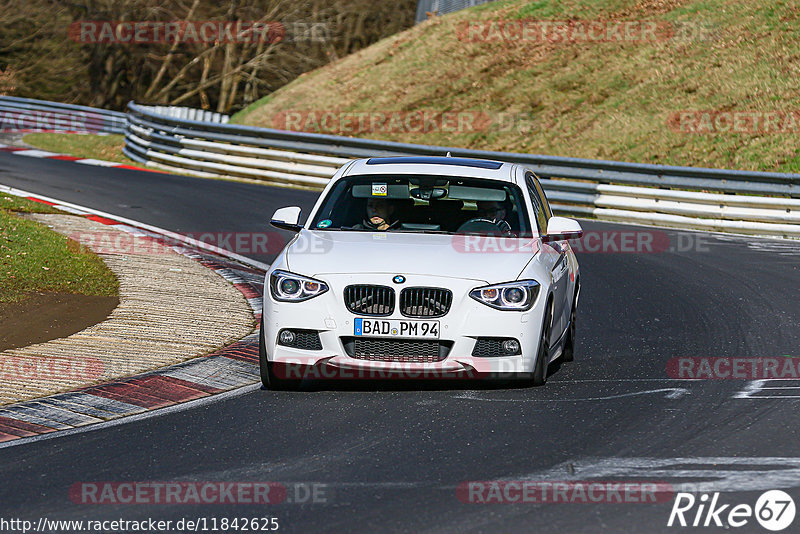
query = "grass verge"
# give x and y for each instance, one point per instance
(103, 147)
(34, 258)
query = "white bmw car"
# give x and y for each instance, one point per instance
(421, 267)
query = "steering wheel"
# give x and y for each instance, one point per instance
(484, 226)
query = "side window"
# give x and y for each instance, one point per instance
(538, 203)
(545, 203)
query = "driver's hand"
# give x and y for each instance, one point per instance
(379, 223)
(504, 227)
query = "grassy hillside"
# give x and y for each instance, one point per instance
(609, 100)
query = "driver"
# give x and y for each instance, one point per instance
(379, 216)
(495, 212)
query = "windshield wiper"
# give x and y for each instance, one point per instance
(330, 229)
(441, 232)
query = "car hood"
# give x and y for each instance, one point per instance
(487, 259)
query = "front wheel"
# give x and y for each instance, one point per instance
(539, 377)
(268, 378)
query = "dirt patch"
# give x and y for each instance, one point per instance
(41, 317)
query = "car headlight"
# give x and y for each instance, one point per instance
(517, 296)
(290, 287)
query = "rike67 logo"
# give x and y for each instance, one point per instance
(774, 510)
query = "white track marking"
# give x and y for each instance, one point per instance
(671, 393)
(753, 389)
(97, 162)
(754, 386)
(71, 210)
(724, 474)
(556, 381)
(35, 153)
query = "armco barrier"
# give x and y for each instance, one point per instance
(193, 114)
(758, 203)
(440, 7)
(25, 114)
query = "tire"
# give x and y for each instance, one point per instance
(539, 377)
(569, 345)
(268, 378)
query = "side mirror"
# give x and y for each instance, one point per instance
(287, 219)
(561, 229)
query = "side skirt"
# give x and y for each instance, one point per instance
(557, 348)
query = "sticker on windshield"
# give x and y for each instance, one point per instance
(379, 190)
(324, 223)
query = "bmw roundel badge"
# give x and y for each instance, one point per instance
(399, 279)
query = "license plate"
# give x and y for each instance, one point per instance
(396, 328)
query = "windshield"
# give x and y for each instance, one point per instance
(424, 204)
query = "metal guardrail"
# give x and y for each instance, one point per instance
(440, 7)
(759, 203)
(191, 114)
(25, 114)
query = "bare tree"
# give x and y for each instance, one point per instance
(225, 74)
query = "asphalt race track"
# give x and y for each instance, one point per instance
(391, 458)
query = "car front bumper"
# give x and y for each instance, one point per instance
(466, 321)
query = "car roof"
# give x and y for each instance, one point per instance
(436, 165)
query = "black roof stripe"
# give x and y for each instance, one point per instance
(437, 160)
